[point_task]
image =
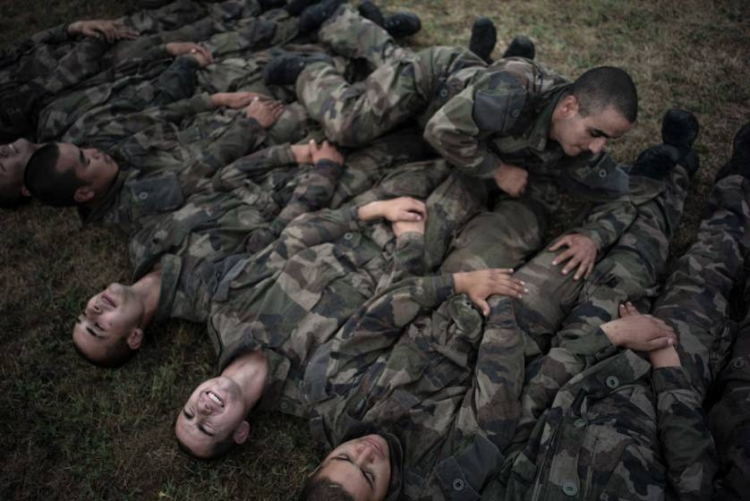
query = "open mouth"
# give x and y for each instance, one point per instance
(106, 299)
(215, 398)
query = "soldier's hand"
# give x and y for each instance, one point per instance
(639, 332)
(580, 253)
(665, 357)
(325, 151)
(301, 153)
(396, 209)
(234, 100)
(511, 179)
(264, 112)
(401, 227)
(480, 285)
(111, 31)
(200, 53)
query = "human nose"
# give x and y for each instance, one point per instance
(597, 145)
(365, 453)
(93, 309)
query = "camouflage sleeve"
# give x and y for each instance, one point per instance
(307, 231)
(243, 135)
(491, 407)
(376, 327)
(489, 107)
(686, 441)
(603, 182)
(313, 192)
(406, 261)
(605, 222)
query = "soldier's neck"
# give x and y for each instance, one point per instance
(250, 372)
(148, 291)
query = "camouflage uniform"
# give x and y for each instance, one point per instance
(596, 423)
(406, 362)
(459, 102)
(162, 164)
(696, 302)
(35, 71)
(295, 294)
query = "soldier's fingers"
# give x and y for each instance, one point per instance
(589, 269)
(563, 256)
(572, 264)
(559, 243)
(481, 303)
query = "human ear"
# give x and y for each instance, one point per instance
(241, 433)
(568, 106)
(83, 194)
(135, 339)
(25, 191)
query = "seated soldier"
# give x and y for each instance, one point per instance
(515, 122)
(444, 395)
(155, 168)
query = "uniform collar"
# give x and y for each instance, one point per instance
(539, 135)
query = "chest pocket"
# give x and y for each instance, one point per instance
(157, 194)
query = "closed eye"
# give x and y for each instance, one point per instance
(369, 477)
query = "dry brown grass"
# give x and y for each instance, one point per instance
(70, 431)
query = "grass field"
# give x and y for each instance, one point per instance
(70, 431)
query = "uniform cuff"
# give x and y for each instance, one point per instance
(669, 379)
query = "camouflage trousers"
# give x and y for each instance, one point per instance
(561, 315)
(404, 84)
(696, 302)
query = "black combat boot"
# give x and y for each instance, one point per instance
(520, 46)
(313, 16)
(284, 70)
(402, 24)
(656, 162)
(483, 38)
(296, 7)
(739, 163)
(679, 128)
(370, 11)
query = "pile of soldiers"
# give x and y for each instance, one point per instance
(361, 228)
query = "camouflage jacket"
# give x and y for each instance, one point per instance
(617, 428)
(162, 165)
(420, 363)
(577, 392)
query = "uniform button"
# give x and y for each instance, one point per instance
(738, 363)
(443, 92)
(579, 423)
(602, 173)
(284, 406)
(612, 382)
(443, 325)
(458, 484)
(143, 195)
(569, 488)
(348, 236)
(515, 113)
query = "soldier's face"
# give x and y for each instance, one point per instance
(362, 466)
(577, 134)
(110, 316)
(214, 412)
(93, 167)
(13, 159)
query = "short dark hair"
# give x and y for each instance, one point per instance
(605, 86)
(219, 449)
(46, 183)
(117, 355)
(319, 488)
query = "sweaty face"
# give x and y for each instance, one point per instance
(213, 413)
(93, 167)
(13, 159)
(362, 466)
(108, 317)
(577, 134)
